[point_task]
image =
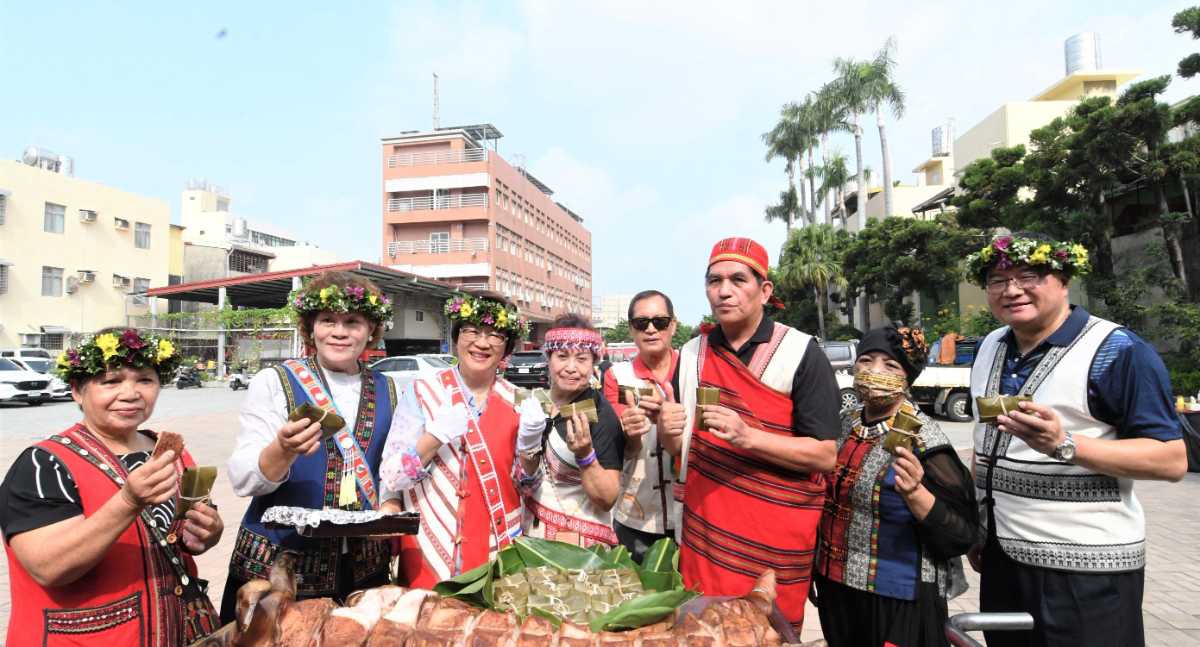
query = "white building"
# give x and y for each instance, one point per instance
(610, 310)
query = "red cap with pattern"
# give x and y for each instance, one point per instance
(746, 252)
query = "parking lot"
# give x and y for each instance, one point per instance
(208, 420)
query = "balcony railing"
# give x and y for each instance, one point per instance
(441, 202)
(474, 286)
(397, 247)
(440, 157)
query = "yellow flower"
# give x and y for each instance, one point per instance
(1041, 255)
(1081, 254)
(465, 310)
(324, 293)
(985, 254)
(373, 299)
(165, 350)
(63, 360)
(502, 318)
(107, 343)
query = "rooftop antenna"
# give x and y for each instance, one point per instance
(436, 102)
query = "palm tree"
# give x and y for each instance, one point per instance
(788, 205)
(809, 261)
(834, 176)
(828, 115)
(788, 139)
(879, 90)
(850, 82)
(802, 115)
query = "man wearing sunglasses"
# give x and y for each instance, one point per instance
(753, 462)
(643, 511)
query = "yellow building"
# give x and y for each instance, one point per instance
(75, 255)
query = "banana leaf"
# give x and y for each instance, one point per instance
(642, 610)
(564, 557)
(659, 570)
(473, 586)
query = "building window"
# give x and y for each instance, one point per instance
(240, 261)
(140, 286)
(3, 279)
(55, 216)
(439, 242)
(420, 315)
(52, 281)
(3, 207)
(52, 341)
(141, 235)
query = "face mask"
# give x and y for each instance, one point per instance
(879, 389)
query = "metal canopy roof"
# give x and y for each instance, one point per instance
(478, 132)
(270, 290)
(938, 200)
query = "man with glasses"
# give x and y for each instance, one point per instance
(754, 454)
(637, 390)
(1065, 537)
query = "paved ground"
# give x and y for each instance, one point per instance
(208, 420)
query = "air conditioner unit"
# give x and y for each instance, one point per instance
(87, 215)
(72, 285)
(86, 276)
(120, 281)
(121, 223)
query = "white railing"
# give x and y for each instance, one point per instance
(397, 247)
(474, 286)
(442, 202)
(439, 157)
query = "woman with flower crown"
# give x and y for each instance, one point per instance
(96, 553)
(451, 448)
(281, 462)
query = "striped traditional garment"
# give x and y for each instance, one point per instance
(743, 515)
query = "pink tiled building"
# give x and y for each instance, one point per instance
(455, 210)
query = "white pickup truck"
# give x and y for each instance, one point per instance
(943, 390)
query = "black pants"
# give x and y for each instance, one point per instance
(1068, 609)
(636, 541)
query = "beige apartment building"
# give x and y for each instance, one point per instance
(455, 210)
(75, 255)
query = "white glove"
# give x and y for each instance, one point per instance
(533, 425)
(450, 423)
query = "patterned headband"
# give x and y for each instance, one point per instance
(573, 339)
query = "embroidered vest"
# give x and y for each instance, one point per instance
(1047, 513)
(312, 483)
(645, 479)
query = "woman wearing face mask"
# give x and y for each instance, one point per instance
(571, 468)
(896, 520)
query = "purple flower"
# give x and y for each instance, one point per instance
(73, 356)
(1061, 254)
(456, 306)
(487, 319)
(1004, 263)
(131, 340)
(1002, 243)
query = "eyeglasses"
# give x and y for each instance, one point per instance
(642, 323)
(469, 335)
(1024, 281)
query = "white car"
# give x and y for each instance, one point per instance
(20, 385)
(403, 368)
(59, 390)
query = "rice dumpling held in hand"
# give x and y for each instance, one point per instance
(920, 511)
(95, 544)
(581, 449)
(452, 446)
(311, 435)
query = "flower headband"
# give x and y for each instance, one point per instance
(482, 311)
(334, 298)
(573, 339)
(108, 351)
(1009, 251)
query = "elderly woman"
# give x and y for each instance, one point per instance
(281, 462)
(571, 468)
(899, 509)
(450, 452)
(95, 548)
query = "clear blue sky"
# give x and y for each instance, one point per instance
(644, 117)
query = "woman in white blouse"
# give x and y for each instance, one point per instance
(298, 463)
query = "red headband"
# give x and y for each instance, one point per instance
(573, 339)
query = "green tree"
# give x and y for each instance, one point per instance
(893, 258)
(809, 260)
(789, 139)
(786, 209)
(851, 87)
(1188, 22)
(618, 334)
(880, 91)
(834, 176)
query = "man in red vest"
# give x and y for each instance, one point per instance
(752, 472)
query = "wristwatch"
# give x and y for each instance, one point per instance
(1065, 451)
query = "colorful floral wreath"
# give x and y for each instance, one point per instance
(108, 351)
(334, 298)
(1009, 251)
(482, 311)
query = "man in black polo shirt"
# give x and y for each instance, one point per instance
(753, 462)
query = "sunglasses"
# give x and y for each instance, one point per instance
(642, 323)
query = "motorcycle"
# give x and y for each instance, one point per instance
(186, 377)
(239, 380)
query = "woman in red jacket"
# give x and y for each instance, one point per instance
(96, 555)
